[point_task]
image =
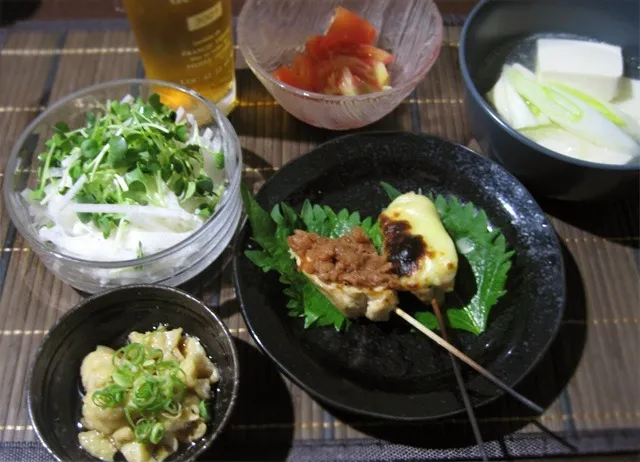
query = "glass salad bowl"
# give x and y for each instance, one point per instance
(271, 33)
(90, 266)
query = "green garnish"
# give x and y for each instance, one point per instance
(485, 249)
(111, 396)
(129, 154)
(203, 411)
(143, 430)
(487, 255)
(147, 386)
(219, 160)
(157, 432)
(134, 353)
(173, 409)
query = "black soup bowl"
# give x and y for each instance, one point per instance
(54, 390)
(499, 29)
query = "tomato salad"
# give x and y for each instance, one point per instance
(344, 61)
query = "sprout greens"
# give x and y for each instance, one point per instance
(133, 165)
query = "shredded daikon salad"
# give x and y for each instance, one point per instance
(136, 179)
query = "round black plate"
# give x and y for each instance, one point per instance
(386, 370)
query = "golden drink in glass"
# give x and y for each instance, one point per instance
(188, 42)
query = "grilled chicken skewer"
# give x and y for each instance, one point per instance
(348, 271)
(418, 256)
(425, 258)
(360, 282)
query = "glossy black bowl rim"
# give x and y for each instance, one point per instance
(336, 405)
(489, 111)
(86, 304)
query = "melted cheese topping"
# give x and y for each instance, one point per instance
(437, 267)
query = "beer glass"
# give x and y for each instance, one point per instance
(188, 42)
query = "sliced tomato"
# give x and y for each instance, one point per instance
(342, 62)
(303, 67)
(321, 46)
(349, 27)
(364, 50)
(286, 75)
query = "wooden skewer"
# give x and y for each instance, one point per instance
(464, 358)
(463, 389)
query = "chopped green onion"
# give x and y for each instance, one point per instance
(119, 394)
(134, 353)
(219, 160)
(123, 378)
(204, 411)
(148, 388)
(128, 410)
(102, 399)
(143, 430)
(173, 408)
(145, 391)
(175, 387)
(167, 366)
(157, 432)
(159, 403)
(111, 396)
(179, 373)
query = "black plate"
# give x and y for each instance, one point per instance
(384, 369)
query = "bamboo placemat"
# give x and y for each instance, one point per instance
(588, 381)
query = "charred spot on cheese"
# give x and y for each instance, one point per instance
(404, 249)
(418, 245)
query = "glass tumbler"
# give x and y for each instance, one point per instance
(188, 42)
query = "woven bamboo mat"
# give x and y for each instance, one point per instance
(588, 381)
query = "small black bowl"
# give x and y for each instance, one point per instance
(491, 33)
(54, 390)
